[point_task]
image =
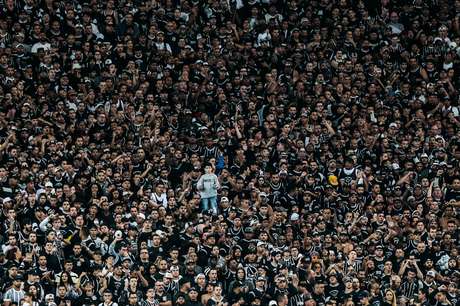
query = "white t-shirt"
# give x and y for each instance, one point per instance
(36, 46)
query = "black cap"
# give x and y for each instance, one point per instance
(363, 294)
(248, 230)
(32, 272)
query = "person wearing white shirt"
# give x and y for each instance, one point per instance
(42, 44)
(159, 195)
(15, 294)
(28, 300)
(107, 296)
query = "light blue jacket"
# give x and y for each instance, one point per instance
(207, 185)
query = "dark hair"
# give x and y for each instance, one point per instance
(11, 254)
(69, 277)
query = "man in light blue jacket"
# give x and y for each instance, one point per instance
(207, 185)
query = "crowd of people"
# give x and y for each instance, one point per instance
(229, 153)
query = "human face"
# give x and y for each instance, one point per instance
(107, 297)
(389, 295)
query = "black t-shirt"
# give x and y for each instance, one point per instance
(85, 300)
(452, 194)
(334, 291)
(163, 297)
(194, 303)
(319, 299)
(348, 296)
(116, 286)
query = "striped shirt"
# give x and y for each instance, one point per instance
(33, 304)
(409, 289)
(356, 265)
(152, 303)
(13, 295)
(297, 300)
(435, 50)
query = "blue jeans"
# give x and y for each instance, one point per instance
(209, 204)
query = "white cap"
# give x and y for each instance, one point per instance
(160, 233)
(49, 296)
(168, 275)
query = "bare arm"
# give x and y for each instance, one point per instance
(145, 283)
(329, 127)
(419, 273)
(6, 142)
(237, 130)
(403, 268)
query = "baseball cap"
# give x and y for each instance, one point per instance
(249, 230)
(363, 294)
(49, 296)
(261, 243)
(295, 217)
(168, 275)
(431, 274)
